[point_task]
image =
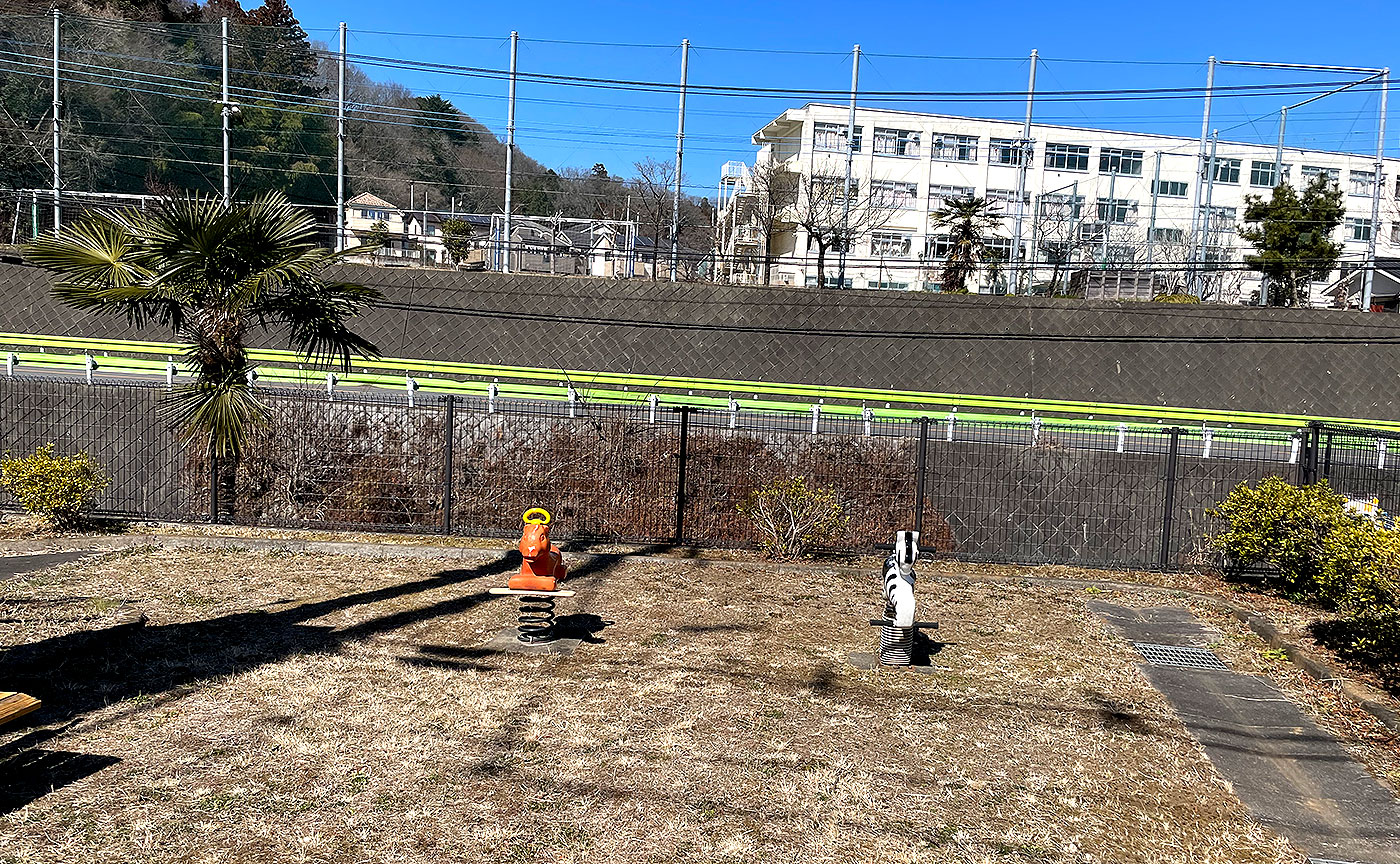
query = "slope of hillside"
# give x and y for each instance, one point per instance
(141, 115)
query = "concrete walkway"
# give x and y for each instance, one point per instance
(16, 565)
(1293, 776)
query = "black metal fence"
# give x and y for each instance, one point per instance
(1024, 492)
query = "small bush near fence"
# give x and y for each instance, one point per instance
(1325, 553)
(790, 516)
(61, 489)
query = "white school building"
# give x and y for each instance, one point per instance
(1095, 202)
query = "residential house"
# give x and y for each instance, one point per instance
(409, 237)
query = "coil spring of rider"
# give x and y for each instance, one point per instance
(536, 618)
(896, 643)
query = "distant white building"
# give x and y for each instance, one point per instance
(1093, 199)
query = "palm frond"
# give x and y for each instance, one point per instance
(317, 317)
(99, 268)
(93, 251)
(219, 414)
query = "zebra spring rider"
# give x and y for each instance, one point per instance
(898, 625)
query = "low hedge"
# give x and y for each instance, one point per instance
(1326, 553)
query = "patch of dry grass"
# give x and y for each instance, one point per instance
(317, 708)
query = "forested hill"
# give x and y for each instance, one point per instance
(141, 115)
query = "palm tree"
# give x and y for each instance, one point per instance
(211, 272)
(971, 221)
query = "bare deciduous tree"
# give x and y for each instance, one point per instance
(652, 190)
(819, 206)
(774, 192)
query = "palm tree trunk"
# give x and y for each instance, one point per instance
(223, 492)
(228, 490)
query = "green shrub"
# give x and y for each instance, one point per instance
(789, 516)
(1176, 297)
(1347, 562)
(62, 489)
(1371, 600)
(1283, 525)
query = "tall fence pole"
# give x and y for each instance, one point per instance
(1308, 459)
(680, 156)
(1164, 557)
(510, 148)
(57, 111)
(920, 471)
(685, 411)
(449, 430)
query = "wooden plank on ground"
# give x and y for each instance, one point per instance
(516, 592)
(15, 705)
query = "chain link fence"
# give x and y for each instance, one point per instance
(1036, 493)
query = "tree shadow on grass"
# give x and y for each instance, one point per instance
(1342, 636)
(34, 773)
(76, 673)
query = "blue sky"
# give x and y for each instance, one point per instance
(808, 44)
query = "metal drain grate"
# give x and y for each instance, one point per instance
(1180, 657)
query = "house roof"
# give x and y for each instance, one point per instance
(1384, 286)
(369, 199)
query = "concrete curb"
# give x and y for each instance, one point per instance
(1364, 696)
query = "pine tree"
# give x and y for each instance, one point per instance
(1292, 237)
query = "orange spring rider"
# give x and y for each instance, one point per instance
(543, 569)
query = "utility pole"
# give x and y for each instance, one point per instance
(1376, 196)
(57, 109)
(340, 145)
(510, 146)
(680, 154)
(1209, 216)
(1278, 178)
(1152, 217)
(1110, 212)
(1196, 229)
(224, 107)
(1076, 216)
(1026, 148)
(850, 161)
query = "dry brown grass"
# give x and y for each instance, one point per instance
(277, 708)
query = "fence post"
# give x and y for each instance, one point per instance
(1169, 499)
(920, 469)
(450, 425)
(680, 473)
(1314, 449)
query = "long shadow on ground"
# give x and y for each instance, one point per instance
(76, 673)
